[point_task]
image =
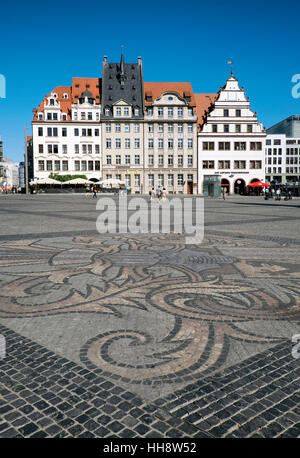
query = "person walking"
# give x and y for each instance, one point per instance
(164, 194)
(158, 193)
(278, 194)
(152, 195)
(95, 190)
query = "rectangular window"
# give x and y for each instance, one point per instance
(49, 132)
(64, 149)
(41, 149)
(238, 128)
(151, 180)
(76, 149)
(170, 179)
(180, 127)
(97, 149)
(97, 165)
(136, 128)
(126, 111)
(215, 128)
(128, 180)
(137, 180)
(49, 165)
(190, 144)
(190, 111)
(170, 112)
(170, 143)
(90, 165)
(170, 128)
(160, 111)
(108, 159)
(160, 143)
(226, 113)
(83, 132)
(170, 159)
(160, 159)
(150, 111)
(90, 116)
(64, 131)
(180, 160)
(50, 150)
(150, 159)
(127, 159)
(180, 112)
(55, 149)
(136, 112)
(89, 132)
(160, 127)
(118, 111)
(226, 128)
(118, 159)
(77, 166)
(57, 166)
(90, 149)
(180, 143)
(240, 146)
(137, 143)
(180, 179)
(117, 127)
(96, 132)
(76, 132)
(127, 143)
(82, 116)
(40, 131)
(160, 179)
(238, 113)
(190, 160)
(83, 166)
(108, 127)
(41, 165)
(151, 127)
(65, 165)
(190, 128)
(137, 159)
(150, 143)
(127, 128)
(255, 146)
(84, 149)
(249, 128)
(118, 143)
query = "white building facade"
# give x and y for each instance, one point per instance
(231, 144)
(282, 159)
(67, 135)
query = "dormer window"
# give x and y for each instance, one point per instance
(118, 111)
(65, 96)
(126, 111)
(51, 102)
(64, 117)
(136, 111)
(107, 111)
(40, 116)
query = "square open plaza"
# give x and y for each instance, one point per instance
(128, 334)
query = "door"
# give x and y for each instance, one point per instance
(211, 189)
(190, 187)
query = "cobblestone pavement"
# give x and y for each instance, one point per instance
(129, 335)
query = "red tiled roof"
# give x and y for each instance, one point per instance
(156, 89)
(82, 84)
(65, 104)
(203, 102)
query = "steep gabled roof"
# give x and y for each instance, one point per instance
(203, 103)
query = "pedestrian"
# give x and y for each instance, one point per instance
(152, 195)
(158, 193)
(278, 194)
(95, 190)
(164, 194)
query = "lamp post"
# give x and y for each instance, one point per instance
(26, 161)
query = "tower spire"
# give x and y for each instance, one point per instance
(122, 61)
(230, 62)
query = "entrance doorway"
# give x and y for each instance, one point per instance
(211, 188)
(190, 187)
(225, 184)
(239, 186)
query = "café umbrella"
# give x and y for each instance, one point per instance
(259, 184)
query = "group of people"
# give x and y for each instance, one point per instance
(160, 194)
(270, 194)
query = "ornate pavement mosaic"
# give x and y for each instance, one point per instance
(151, 313)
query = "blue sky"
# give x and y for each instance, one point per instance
(45, 44)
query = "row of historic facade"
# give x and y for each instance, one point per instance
(149, 134)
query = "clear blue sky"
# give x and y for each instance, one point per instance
(44, 44)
